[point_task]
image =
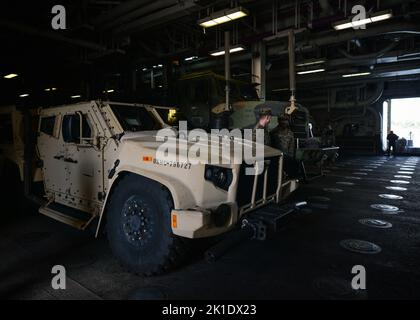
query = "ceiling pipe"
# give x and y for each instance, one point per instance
(330, 38)
(334, 37)
(173, 11)
(318, 85)
(375, 55)
(176, 11)
(138, 12)
(374, 97)
(379, 73)
(57, 37)
(318, 96)
(371, 31)
(119, 10)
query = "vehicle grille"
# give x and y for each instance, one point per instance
(246, 182)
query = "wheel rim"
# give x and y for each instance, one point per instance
(137, 221)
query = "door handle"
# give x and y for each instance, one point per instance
(58, 157)
(70, 160)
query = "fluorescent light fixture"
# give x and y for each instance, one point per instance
(110, 90)
(279, 90)
(376, 17)
(237, 49)
(190, 58)
(47, 89)
(144, 69)
(10, 76)
(233, 49)
(237, 14)
(222, 19)
(208, 24)
(356, 74)
(53, 89)
(24, 95)
(310, 63)
(382, 17)
(75, 96)
(223, 16)
(343, 26)
(311, 71)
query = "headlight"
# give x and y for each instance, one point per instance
(221, 177)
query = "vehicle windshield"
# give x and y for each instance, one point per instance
(135, 119)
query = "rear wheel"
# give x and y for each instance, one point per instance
(139, 227)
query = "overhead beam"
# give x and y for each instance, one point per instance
(138, 12)
(118, 11)
(163, 16)
(380, 72)
(55, 36)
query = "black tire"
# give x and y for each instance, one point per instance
(154, 249)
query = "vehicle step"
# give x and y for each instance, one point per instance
(73, 217)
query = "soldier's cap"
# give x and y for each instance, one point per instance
(264, 112)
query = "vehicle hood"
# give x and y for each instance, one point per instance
(148, 140)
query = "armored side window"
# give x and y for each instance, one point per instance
(135, 119)
(6, 129)
(47, 125)
(72, 125)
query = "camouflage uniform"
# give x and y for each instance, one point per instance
(267, 140)
(328, 137)
(282, 138)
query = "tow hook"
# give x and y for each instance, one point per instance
(259, 229)
(255, 227)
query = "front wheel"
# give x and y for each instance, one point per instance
(139, 227)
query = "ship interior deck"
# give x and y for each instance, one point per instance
(306, 259)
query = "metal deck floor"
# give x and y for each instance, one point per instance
(303, 261)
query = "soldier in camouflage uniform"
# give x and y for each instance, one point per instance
(262, 123)
(328, 137)
(282, 137)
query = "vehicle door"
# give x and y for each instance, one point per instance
(83, 159)
(51, 151)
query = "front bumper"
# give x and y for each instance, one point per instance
(195, 224)
(200, 222)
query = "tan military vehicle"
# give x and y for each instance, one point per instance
(100, 160)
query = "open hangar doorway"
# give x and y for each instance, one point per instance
(402, 116)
